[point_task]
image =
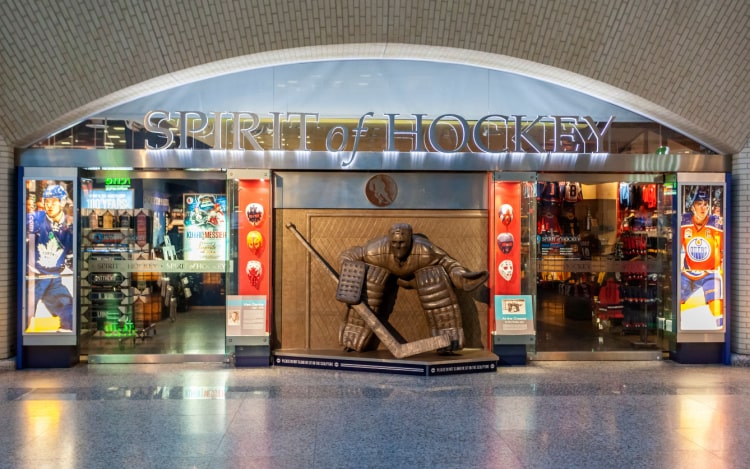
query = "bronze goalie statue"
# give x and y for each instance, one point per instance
(416, 263)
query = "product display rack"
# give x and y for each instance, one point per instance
(116, 305)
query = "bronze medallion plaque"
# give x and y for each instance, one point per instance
(381, 190)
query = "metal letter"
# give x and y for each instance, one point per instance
(239, 132)
(521, 135)
(477, 133)
(184, 123)
(302, 127)
(595, 132)
(358, 132)
(416, 134)
(157, 129)
(558, 135)
(464, 133)
(343, 131)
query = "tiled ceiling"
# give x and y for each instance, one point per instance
(683, 63)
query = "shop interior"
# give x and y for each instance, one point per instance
(604, 255)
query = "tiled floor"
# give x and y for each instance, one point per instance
(545, 415)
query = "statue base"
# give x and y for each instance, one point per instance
(467, 361)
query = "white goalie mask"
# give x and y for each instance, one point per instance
(254, 271)
(506, 269)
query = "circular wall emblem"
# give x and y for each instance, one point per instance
(381, 190)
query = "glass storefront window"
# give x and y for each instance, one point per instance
(153, 260)
(603, 260)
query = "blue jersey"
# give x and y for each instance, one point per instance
(53, 242)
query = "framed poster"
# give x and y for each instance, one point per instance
(205, 233)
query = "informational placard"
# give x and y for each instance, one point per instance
(246, 315)
(702, 275)
(514, 315)
(205, 233)
(49, 281)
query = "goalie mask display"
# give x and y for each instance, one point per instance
(505, 242)
(506, 214)
(254, 240)
(254, 213)
(254, 271)
(506, 269)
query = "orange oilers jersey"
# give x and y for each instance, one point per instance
(701, 247)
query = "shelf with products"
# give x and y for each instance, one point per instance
(114, 301)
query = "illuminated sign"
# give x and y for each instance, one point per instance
(115, 183)
(512, 133)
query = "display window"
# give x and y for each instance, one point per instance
(153, 260)
(604, 248)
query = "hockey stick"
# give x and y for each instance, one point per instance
(398, 349)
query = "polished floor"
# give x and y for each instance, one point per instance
(544, 415)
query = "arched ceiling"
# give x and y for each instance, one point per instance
(683, 63)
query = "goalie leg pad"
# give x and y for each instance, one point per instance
(351, 280)
(354, 334)
(440, 304)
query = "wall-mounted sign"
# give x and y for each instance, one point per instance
(492, 133)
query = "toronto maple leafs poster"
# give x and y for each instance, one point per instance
(50, 239)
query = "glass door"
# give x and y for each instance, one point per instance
(153, 250)
(603, 265)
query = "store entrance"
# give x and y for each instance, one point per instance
(152, 270)
(604, 267)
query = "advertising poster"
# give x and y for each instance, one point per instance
(50, 293)
(702, 258)
(205, 234)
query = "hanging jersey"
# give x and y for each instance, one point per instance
(548, 224)
(550, 193)
(701, 247)
(648, 195)
(624, 194)
(571, 192)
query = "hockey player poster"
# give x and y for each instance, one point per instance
(702, 258)
(205, 227)
(50, 292)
